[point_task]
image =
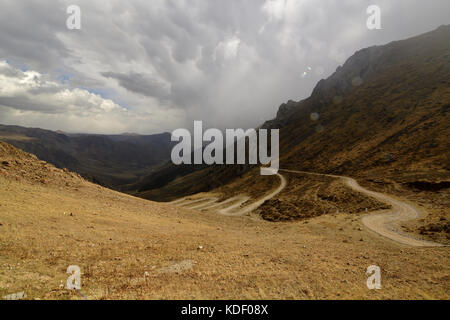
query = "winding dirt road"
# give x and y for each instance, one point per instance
(232, 206)
(255, 205)
(383, 223)
(380, 223)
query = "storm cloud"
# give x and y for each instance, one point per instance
(150, 66)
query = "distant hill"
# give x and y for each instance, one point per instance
(385, 112)
(110, 160)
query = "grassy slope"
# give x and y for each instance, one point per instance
(116, 238)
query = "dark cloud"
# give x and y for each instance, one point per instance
(29, 33)
(230, 63)
(141, 83)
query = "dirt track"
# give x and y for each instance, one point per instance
(230, 207)
(383, 223)
(131, 248)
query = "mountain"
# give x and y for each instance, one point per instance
(130, 248)
(383, 114)
(110, 160)
(381, 121)
(386, 108)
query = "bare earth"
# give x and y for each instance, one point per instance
(384, 223)
(47, 225)
(235, 206)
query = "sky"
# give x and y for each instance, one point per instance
(154, 66)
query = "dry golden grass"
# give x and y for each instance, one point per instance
(116, 238)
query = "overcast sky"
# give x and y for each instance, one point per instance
(153, 66)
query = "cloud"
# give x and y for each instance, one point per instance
(141, 83)
(32, 96)
(30, 90)
(228, 49)
(162, 64)
(275, 9)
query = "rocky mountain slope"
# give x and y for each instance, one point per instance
(386, 108)
(383, 116)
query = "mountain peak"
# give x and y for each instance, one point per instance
(369, 63)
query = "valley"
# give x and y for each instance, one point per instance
(109, 160)
(363, 181)
(188, 254)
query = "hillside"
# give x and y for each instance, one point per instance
(385, 109)
(129, 248)
(110, 160)
(382, 117)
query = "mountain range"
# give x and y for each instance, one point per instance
(384, 113)
(363, 182)
(109, 160)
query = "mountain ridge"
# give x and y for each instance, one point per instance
(110, 160)
(385, 109)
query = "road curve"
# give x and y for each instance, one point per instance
(234, 209)
(255, 205)
(382, 223)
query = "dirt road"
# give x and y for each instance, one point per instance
(257, 204)
(383, 223)
(231, 207)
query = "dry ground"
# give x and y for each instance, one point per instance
(115, 239)
(428, 190)
(48, 224)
